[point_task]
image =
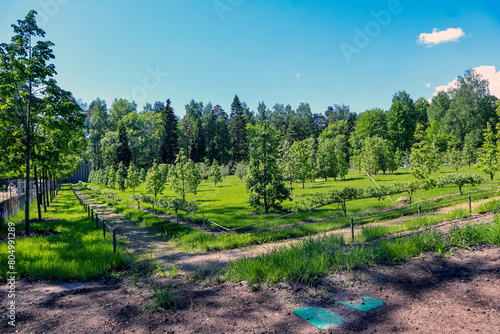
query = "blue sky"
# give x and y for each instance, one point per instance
(288, 51)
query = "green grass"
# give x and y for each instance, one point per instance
(492, 206)
(313, 258)
(163, 300)
(79, 252)
(188, 238)
(226, 204)
(369, 233)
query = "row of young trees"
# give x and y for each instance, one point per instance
(41, 125)
(409, 187)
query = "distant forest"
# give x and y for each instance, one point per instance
(456, 119)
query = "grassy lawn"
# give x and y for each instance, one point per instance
(78, 252)
(226, 204)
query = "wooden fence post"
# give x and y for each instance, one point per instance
(352, 229)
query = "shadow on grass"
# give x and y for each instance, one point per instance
(78, 252)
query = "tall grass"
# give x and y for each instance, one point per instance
(313, 258)
(373, 232)
(78, 252)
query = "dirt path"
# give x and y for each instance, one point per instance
(147, 244)
(142, 242)
(430, 294)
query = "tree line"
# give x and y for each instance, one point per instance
(451, 126)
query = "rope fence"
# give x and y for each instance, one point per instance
(226, 229)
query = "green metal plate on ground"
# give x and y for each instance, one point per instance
(364, 304)
(319, 317)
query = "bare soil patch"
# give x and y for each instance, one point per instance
(431, 294)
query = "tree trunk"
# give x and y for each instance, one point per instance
(38, 199)
(28, 149)
(183, 190)
(44, 191)
(52, 187)
(27, 179)
(51, 181)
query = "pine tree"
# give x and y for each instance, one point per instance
(237, 127)
(198, 150)
(169, 134)
(123, 151)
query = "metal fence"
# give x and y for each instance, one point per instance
(14, 199)
(81, 174)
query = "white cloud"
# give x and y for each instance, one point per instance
(488, 73)
(298, 75)
(438, 37)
